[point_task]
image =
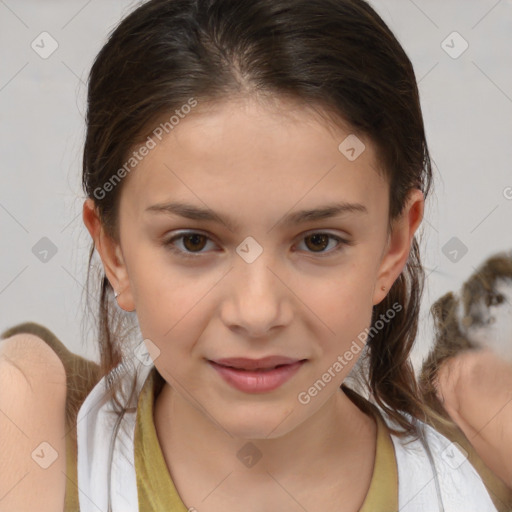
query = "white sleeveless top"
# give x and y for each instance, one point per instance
(432, 475)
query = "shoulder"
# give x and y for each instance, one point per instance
(434, 470)
(460, 478)
(461, 464)
(32, 426)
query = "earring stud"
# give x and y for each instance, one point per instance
(383, 288)
(116, 294)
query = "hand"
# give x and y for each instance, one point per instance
(475, 388)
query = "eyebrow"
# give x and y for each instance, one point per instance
(193, 212)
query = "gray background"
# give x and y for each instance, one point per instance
(467, 105)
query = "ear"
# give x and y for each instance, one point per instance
(111, 256)
(396, 252)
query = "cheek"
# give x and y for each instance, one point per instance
(342, 295)
(172, 311)
(162, 295)
(337, 311)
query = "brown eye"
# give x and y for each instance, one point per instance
(319, 241)
(194, 242)
(188, 244)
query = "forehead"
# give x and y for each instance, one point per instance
(267, 152)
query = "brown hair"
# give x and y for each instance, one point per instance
(337, 55)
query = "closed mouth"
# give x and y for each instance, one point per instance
(258, 365)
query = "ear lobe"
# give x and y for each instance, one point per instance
(399, 243)
(110, 254)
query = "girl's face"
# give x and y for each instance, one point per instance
(253, 275)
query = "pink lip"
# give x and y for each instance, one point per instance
(257, 375)
(244, 363)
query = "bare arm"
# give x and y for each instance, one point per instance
(32, 426)
(476, 390)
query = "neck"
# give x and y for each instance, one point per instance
(336, 436)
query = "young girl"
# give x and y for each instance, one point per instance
(255, 175)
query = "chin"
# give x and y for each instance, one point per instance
(257, 425)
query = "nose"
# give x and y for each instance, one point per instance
(257, 298)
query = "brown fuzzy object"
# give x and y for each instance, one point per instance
(458, 320)
(468, 321)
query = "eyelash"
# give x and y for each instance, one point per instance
(169, 244)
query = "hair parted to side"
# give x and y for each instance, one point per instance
(335, 55)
